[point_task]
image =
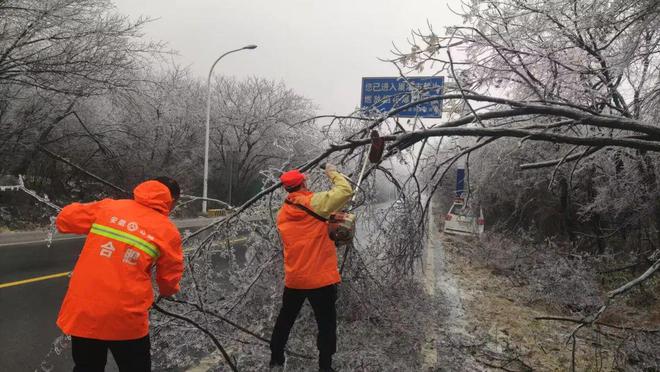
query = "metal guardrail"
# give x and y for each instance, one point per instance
(217, 212)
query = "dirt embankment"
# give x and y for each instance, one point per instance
(492, 320)
(504, 332)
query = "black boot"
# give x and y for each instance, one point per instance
(325, 363)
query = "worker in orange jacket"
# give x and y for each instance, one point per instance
(110, 291)
(310, 262)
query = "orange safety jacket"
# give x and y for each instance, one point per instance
(310, 257)
(110, 290)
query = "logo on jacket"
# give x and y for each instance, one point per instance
(107, 249)
(130, 226)
(131, 257)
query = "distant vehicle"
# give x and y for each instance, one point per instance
(463, 220)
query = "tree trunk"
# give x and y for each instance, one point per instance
(564, 202)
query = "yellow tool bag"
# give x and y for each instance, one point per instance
(341, 225)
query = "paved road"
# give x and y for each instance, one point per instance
(28, 310)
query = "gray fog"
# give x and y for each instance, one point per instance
(320, 49)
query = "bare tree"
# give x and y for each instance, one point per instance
(54, 52)
(254, 128)
(75, 47)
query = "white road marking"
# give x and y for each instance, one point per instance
(429, 352)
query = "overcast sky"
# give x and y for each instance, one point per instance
(319, 48)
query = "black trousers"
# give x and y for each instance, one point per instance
(90, 355)
(323, 303)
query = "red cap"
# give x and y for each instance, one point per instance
(292, 178)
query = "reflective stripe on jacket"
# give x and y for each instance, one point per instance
(310, 257)
(110, 290)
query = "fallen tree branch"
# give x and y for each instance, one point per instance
(209, 334)
(524, 108)
(550, 163)
(408, 139)
(235, 325)
(639, 280)
(81, 169)
(21, 187)
(611, 295)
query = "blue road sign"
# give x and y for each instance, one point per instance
(386, 93)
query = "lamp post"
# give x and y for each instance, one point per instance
(208, 123)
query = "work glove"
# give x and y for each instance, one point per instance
(329, 168)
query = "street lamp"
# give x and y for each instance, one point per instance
(208, 123)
